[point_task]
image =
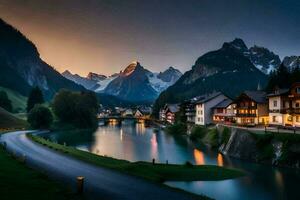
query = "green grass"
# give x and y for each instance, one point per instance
(21, 182)
(156, 172)
(19, 102)
(9, 121)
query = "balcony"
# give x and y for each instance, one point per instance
(245, 115)
(282, 111)
(293, 110)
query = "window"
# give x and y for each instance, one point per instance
(298, 90)
(252, 103)
(198, 119)
(275, 103)
(201, 112)
(297, 105)
(201, 119)
(297, 119)
(274, 119)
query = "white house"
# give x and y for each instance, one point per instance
(204, 111)
(278, 103)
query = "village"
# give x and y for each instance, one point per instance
(281, 109)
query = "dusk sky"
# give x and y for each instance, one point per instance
(104, 36)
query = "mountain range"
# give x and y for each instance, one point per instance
(231, 69)
(134, 83)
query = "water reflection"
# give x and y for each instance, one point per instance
(220, 160)
(135, 142)
(199, 157)
(154, 146)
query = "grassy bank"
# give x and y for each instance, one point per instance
(156, 172)
(20, 182)
(8, 121)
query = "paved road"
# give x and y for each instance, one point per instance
(100, 183)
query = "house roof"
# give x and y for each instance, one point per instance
(278, 92)
(257, 96)
(224, 104)
(145, 110)
(208, 97)
(172, 107)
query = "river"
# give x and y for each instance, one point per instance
(135, 142)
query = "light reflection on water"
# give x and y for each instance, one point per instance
(220, 160)
(135, 142)
(199, 157)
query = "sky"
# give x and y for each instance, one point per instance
(104, 36)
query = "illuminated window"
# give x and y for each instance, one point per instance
(297, 119)
(252, 103)
(298, 90)
(290, 118)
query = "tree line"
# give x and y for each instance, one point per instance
(76, 108)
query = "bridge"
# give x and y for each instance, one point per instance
(119, 119)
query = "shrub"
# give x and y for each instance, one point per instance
(40, 117)
(212, 138)
(177, 129)
(188, 164)
(76, 108)
(198, 132)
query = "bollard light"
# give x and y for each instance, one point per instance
(80, 181)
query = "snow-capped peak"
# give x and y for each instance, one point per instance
(130, 68)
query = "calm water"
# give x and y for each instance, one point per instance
(135, 142)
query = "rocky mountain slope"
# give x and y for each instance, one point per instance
(21, 66)
(261, 57)
(227, 70)
(85, 82)
(291, 62)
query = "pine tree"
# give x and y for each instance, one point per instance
(5, 101)
(35, 97)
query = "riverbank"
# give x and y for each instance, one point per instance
(153, 172)
(277, 149)
(21, 182)
(255, 145)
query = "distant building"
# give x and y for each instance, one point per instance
(252, 108)
(189, 108)
(127, 113)
(143, 112)
(168, 112)
(224, 111)
(284, 106)
(204, 107)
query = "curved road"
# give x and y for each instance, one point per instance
(100, 183)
